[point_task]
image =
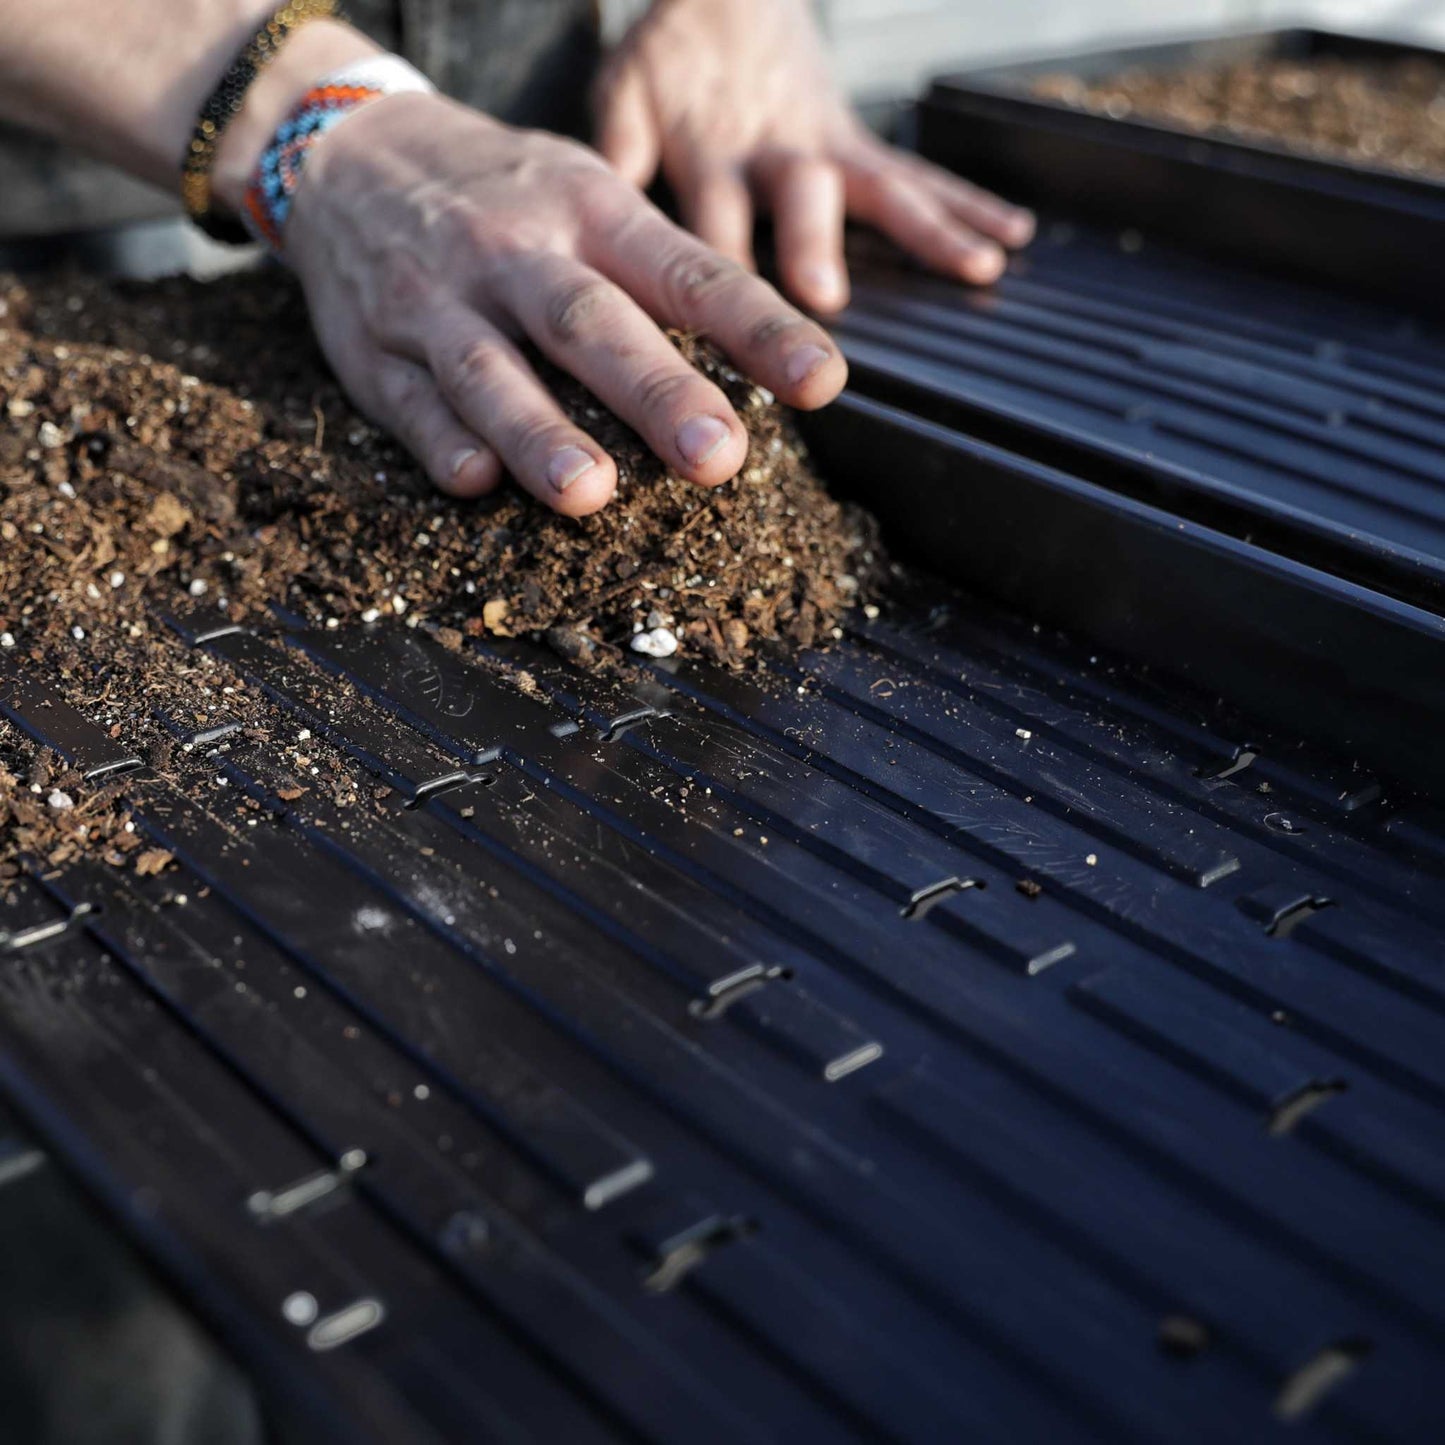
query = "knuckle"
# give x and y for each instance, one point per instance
(539, 436)
(694, 279)
(808, 168)
(399, 389)
(657, 390)
(403, 292)
(605, 201)
(573, 154)
(573, 307)
(770, 328)
(475, 367)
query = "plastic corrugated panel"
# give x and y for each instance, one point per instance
(945, 1036)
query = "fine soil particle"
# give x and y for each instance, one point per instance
(167, 442)
(1388, 114)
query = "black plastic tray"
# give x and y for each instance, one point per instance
(959, 1034)
(1232, 479)
(1373, 230)
(950, 1038)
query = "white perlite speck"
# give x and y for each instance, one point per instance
(197, 588)
(660, 642)
(60, 800)
(7, 639)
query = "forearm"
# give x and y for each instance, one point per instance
(126, 81)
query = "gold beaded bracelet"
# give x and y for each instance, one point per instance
(226, 100)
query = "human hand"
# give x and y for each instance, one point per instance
(432, 242)
(734, 101)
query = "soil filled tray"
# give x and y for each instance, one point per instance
(1299, 151)
(1388, 114)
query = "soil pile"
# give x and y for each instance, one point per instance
(1385, 114)
(174, 440)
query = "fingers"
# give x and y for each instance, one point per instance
(403, 398)
(490, 387)
(627, 133)
(593, 330)
(809, 207)
(718, 208)
(681, 282)
(1012, 226)
(409, 405)
(887, 197)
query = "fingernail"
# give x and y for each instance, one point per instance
(1025, 225)
(827, 283)
(804, 362)
(700, 438)
(460, 460)
(567, 465)
(986, 262)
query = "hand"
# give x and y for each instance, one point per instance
(433, 241)
(734, 102)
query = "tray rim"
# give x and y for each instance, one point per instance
(995, 85)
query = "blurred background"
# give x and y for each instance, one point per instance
(891, 46)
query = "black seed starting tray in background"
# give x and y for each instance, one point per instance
(943, 1037)
(1231, 479)
(1371, 230)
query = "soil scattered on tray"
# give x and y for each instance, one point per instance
(175, 442)
(1387, 114)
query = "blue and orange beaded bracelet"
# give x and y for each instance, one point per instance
(273, 183)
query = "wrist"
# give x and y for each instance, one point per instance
(313, 51)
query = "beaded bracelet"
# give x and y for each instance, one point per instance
(226, 100)
(331, 100)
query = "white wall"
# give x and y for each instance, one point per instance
(892, 46)
(1407, 19)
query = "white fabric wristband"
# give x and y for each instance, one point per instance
(389, 74)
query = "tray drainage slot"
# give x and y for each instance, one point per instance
(449, 784)
(1286, 1116)
(1218, 772)
(40, 933)
(917, 907)
(682, 1254)
(623, 724)
(724, 992)
(1183, 1337)
(1291, 918)
(345, 1325)
(268, 1205)
(1323, 1372)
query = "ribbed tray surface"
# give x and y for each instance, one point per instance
(1309, 424)
(946, 1038)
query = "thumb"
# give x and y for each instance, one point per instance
(627, 132)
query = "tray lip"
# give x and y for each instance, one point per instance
(1173, 530)
(1385, 666)
(1397, 564)
(995, 85)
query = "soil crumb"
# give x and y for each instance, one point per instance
(1387, 114)
(178, 441)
